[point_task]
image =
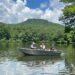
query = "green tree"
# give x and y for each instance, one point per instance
(69, 17)
(4, 32)
(68, 1)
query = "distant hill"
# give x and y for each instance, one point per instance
(38, 22)
(31, 26)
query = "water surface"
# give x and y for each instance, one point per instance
(13, 62)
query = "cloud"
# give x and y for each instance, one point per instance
(15, 12)
(29, 13)
(43, 5)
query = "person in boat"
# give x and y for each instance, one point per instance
(42, 46)
(52, 49)
(33, 45)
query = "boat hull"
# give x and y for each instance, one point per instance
(39, 52)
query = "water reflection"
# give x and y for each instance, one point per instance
(69, 67)
(14, 63)
(31, 67)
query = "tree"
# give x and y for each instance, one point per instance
(68, 1)
(69, 17)
(4, 32)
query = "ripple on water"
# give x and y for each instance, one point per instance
(31, 67)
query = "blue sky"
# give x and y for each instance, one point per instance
(15, 11)
(33, 4)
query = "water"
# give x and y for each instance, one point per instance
(13, 62)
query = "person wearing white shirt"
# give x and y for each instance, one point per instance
(33, 45)
(42, 46)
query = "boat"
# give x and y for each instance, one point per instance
(40, 52)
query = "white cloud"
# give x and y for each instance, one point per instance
(52, 15)
(11, 12)
(29, 13)
(43, 5)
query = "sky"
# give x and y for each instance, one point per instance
(16, 11)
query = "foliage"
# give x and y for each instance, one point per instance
(71, 36)
(32, 30)
(68, 0)
(69, 15)
(4, 32)
(68, 19)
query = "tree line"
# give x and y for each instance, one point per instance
(68, 19)
(32, 30)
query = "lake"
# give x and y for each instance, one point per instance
(13, 62)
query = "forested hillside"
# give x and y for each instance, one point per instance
(32, 30)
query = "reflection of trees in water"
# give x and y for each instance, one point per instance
(70, 54)
(73, 45)
(69, 66)
(70, 59)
